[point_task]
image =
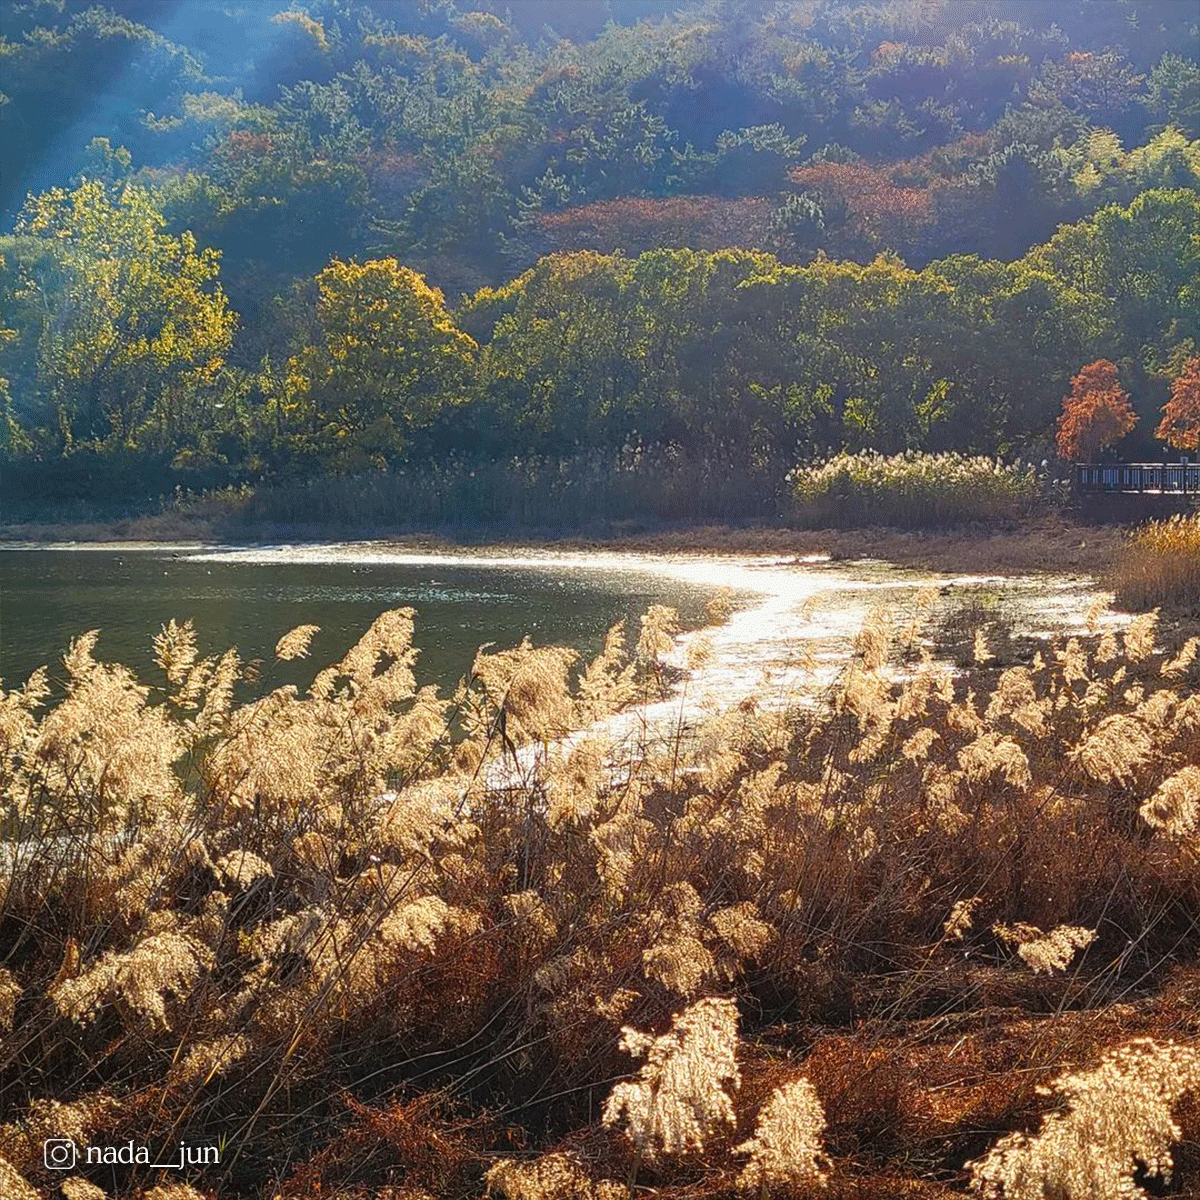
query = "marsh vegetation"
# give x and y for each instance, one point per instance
(391, 942)
(1160, 564)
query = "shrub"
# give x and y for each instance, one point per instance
(911, 489)
(636, 224)
(879, 211)
(1159, 565)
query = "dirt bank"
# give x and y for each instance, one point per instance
(1054, 543)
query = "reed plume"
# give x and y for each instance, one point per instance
(383, 934)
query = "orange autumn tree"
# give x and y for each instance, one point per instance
(1180, 425)
(1096, 413)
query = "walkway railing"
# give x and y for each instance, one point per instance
(1154, 478)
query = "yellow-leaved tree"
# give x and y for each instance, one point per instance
(385, 357)
(124, 326)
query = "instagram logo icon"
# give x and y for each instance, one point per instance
(58, 1154)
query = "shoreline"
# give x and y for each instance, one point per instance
(786, 638)
(1045, 545)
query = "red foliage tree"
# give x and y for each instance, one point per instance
(637, 223)
(1096, 412)
(877, 208)
(1180, 425)
(246, 143)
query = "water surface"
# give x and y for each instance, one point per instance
(789, 615)
(249, 598)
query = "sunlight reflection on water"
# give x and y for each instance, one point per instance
(789, 637)
(791, 640)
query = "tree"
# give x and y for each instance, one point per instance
(124, 323)
(1023, 326)
(1017, 188)
(1142, 263)
(563, 360)
(1173, 93)
(1180, 425)
(798, 224)
(753, 161)
(100, 73)
(1096, 412)
(1100, 86)
(1168, 160)
(384, 359)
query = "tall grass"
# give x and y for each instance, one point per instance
(911, 490)
(1159, 565)
(636, 486)
(381, 942)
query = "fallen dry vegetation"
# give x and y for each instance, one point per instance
(937, 933)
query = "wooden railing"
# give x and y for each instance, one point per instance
(1157, 478)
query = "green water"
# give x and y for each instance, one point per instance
(49, 596)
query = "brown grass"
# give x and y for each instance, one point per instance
(1159, 565)
(1053, 543)
(384, 942)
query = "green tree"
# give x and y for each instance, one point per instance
(1168, 160)
(704, 383)
(124, 324)
(562, 362)
(798, 224)
(1023, 328)
(754, 160)
(1174, 93)
(1099, 86)
(1141, 263)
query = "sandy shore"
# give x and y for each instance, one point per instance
(1053, 544)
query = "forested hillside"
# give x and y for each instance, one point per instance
(251, 241)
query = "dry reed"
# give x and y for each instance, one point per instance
(383, 943)
(1159, 564)
(912, 490)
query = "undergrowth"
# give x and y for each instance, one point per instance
(636, 486)
(935, 932)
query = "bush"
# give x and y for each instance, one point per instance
(1159, 566)
(911, 489)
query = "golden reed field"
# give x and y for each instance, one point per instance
(933, 935)
(1160, 564)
